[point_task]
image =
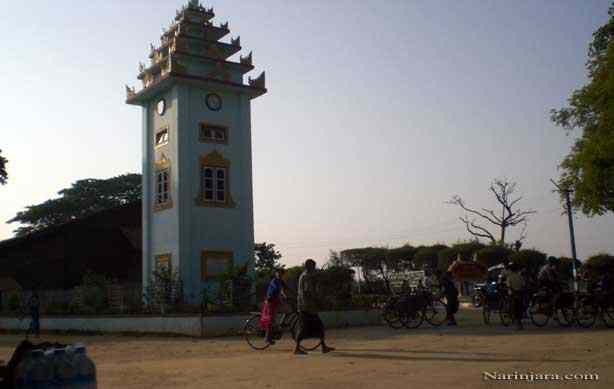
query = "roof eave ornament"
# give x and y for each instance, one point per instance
(235, 41)
(130, 92)
(224, 26)
(257, 82)
(247, 60)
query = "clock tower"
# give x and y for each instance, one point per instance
(197, 157)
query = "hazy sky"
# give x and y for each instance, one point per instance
(377, 112)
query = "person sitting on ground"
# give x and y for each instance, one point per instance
(309, 323)
(275, 292)
(548, 276)
(451, 293)
(516, 286)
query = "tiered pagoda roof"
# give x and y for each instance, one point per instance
(190, 50)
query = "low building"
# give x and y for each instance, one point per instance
(107, 242)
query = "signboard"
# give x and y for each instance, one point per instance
(467, 271)
(411, 278)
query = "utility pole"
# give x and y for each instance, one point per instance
(572, 237)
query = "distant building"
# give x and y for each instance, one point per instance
(197, 153)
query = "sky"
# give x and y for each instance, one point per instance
(377, 112)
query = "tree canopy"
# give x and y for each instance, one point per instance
(267, 259)
(588, 169)
(3, 174)
(83, 198)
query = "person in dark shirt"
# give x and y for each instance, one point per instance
(451, 293)
(274, 293)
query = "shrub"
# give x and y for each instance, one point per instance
(426, 256)
(14, 302)
(493, 255)
(531, 260)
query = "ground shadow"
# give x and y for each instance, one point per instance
(458, 357)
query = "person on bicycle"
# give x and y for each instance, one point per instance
(451, 293)
(275, 292)
(309, 324)
(515, 285)
(548, 276)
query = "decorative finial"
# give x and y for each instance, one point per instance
(141, 67)
(247, 60)
(224, 26)
(236, 41)
(130, 91)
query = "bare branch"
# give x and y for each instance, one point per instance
(470, 226)
(459, 201)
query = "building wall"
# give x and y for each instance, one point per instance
(186, 229)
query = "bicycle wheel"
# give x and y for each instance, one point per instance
(540, 310)
(587, 312)
(435, 313)
(476, 300)
(308, 344)
(486, 313)
(607, 314)
(412, 319)
(390, 314)
(505, 312)
(254, 335)
(566, 311)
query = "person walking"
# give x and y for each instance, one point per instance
(309, 324)
(516, 286)
(451, 293)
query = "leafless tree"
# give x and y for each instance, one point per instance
(475, 219)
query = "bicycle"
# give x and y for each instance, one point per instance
(592, 306)
(255, 335)
(559, 306)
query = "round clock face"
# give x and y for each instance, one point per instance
(161, 107)
(213, 101)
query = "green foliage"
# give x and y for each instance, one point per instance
(93, 290)
(375, 263)
(426, 256)
(565, 268)
(588, 170)
(165, 290)
(493, 255)
(529, 259)
(267, 259)
(335, 287)
(601, 263)
(466, 250)
(83, 198)
(335, 260)
(13, 302)
(3, 174)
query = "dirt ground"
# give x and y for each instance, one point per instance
(368, 357)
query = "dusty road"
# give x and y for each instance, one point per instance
(373, 357)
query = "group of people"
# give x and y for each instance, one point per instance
(520, 282)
